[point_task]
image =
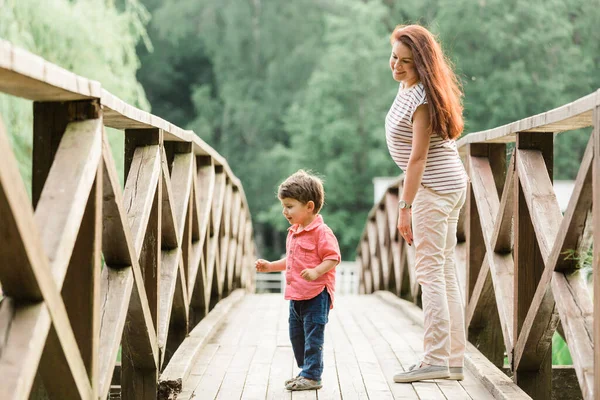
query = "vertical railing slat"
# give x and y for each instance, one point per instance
(529, 263)
(596, 251)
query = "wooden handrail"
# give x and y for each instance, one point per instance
(87, 266)
(574, 115)
(518, 283)
(29, 76)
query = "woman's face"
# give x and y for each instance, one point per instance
(402, 64)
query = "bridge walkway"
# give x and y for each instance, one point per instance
(368, 338)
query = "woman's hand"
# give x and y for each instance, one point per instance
(404, 225)
(262, 265)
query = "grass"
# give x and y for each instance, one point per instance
(560, 351)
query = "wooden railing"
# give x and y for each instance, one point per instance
(87, 266)
(515, 254)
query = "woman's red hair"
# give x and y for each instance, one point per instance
(435, 72)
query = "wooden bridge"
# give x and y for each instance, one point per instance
(160, 269)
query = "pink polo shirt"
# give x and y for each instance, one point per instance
(307, 249)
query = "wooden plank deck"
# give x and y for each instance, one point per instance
(367, 340)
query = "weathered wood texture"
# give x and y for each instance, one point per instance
(533, 195)
(363, 350)
(596, 257)
(517, 254)
(88, 266)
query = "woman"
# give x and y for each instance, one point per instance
(421, 128)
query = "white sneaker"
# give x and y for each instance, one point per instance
(421, 373)
(456, 373)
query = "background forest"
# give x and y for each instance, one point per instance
(278, 85)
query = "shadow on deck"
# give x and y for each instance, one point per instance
(246, 354)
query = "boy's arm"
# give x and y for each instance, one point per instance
(326, 266)
(266, 266)
(278, 265)
(310, 274)
(328, 250)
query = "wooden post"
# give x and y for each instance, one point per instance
(49, 123)
(140, 381)
(81, 287)
(596, 259)
(473, 236)
(150, 255)
(487, 336)
(213, 265)
(182, 209)
(529, 264)
(475, 244)
(198, 295)
(197, 280)
(225, 238)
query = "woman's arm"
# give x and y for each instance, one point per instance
(418, 155)
(415, 168)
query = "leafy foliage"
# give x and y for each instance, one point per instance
(255, 57)
(93, 39)
(280, 85)
(275, 86)
(336, 126)
(520, 58)
(560, 351)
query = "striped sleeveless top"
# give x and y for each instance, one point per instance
(444, 171)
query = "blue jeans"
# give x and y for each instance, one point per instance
(307, 333)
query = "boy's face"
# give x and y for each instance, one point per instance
(296, 212)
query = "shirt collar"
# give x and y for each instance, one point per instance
(318, 221)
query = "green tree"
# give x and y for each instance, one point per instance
(337, 127)
(174, 66)
(520, 58)
(515, 63)
(93, 39)
(259, 56)
(275, 86)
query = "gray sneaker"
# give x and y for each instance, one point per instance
(421, 373)
(456, 373)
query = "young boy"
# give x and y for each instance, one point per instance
(312, 252)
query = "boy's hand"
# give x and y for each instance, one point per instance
(309, 274)
(262, 265)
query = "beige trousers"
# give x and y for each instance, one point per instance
(434, 219)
